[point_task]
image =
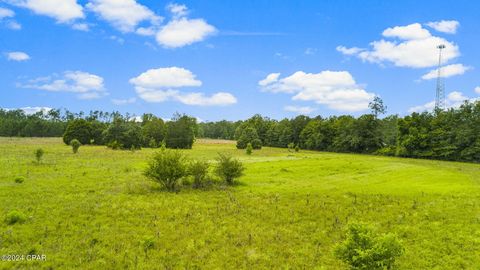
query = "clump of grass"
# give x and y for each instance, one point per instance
(291, 147)
(148, 244)
(39, 154)
(19, 180)
(75, 144)
(249, 149)
(14, 217)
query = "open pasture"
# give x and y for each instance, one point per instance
(96, 210)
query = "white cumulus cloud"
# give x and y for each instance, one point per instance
(305, 110)
(34, 110)
(14, 25)
(272, 77)
(200, 99)
(6, 16)
(409, 32)
(84, 84)
(30, 110)
(182, 31)
(63, 11)
(349, 51)
(335, 89)
(81, 27)
(6, 13)
(18, 56)
(449, 27)
(177, 10)
(162, 84)
(124, 101)
(125, 15)
(477, 90)
(170, 77)
(447, 71)
(453, 100)
(409, 46)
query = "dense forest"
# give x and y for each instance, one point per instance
(453, 134)
(101, 128)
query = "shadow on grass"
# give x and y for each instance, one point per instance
(149, 187)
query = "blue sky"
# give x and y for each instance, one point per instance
(231, 59)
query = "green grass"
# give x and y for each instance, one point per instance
(96, 210)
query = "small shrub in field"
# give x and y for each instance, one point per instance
(167, 167)
(249, 149)
(152, 143)
(297, 148)
(148, 243)
(290, 147)
(39, 154)
(228, 168)
(114, 145)
(19, 180)
(75, 144)
(15, 217)
(363, 249)
(199, 170)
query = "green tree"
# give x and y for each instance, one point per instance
(153, 131)
(79, 129)
(181, 132)
(249, 135)
(96, 132)
(377, 106)
(124, 134)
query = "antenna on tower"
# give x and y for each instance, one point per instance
(440, 93)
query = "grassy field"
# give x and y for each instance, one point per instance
(95, 210)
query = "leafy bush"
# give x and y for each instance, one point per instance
(199, 170)
(363, 249)
(228, 168)
(387, 151)
(167, 167)
(19, 180)
(15, 217)
(114, 145)
(297, 148)
(249, 149)
(75, 144)
(39, 154)
(291, 147)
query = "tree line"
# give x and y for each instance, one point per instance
(101, 128)
(453, 134)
